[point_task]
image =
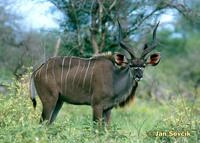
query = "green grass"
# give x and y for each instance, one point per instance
(20, 123)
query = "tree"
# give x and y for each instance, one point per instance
(93, 20)
(9, 38)
(20, 48)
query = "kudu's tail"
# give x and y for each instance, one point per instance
(33, 92)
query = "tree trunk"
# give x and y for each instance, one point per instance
(93, 29)
(103, 34)
(77, 28)
(57, 48)
(94, 42)
(79, 40)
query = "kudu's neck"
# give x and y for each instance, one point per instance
(123, 83)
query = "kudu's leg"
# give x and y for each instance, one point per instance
(56, 110)
(97, 113)
(47, 112)
(49, 103)
(106, 116)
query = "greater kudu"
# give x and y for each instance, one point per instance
(103, 81)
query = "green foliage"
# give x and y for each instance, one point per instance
(20, 123)
(181, 119)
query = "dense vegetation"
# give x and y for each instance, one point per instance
(167, 99)
(19, 123)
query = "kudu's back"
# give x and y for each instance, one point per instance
(73, 80)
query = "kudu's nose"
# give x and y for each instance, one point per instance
(138, 76)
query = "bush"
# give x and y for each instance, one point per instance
(20, 123)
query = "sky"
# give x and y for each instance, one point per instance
(39, 14)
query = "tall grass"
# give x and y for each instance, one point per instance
(137, 123)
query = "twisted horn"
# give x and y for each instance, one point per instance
(124, 45)
(155, 43)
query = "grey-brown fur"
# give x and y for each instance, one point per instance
(97, 82)
(99, 85)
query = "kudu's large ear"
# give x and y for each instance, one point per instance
(120, 59)
(153, 59)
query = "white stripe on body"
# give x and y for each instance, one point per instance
(67, 73)
(37, 72)
(76, 72)
(53, 69)
(86, 73)
(81, 73)
(40, 71)
(63, 62)
(91, 77)
(47, 68)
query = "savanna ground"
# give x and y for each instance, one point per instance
(138, 122)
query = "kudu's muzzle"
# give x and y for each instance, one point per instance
(138, 72)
